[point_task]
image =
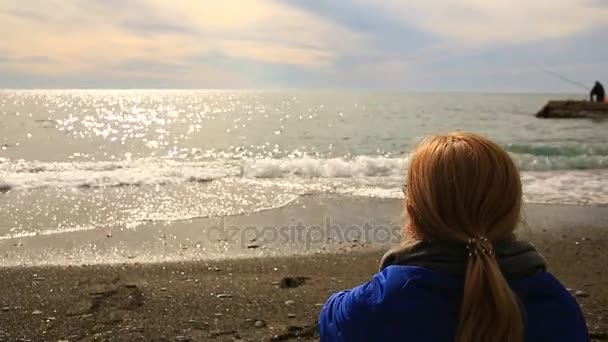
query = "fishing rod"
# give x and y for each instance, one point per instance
(563, 78)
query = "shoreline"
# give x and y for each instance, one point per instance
(306, 226)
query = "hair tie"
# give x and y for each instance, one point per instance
(478, 246)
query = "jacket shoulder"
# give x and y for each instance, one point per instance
(552, 312)
(384, 301)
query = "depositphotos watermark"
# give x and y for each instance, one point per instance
(307, 235)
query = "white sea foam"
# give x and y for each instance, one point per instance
(34, 175)
(325, 168)
(360, 176)
(550, 187)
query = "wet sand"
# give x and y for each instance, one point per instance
(210, 299)
(309, 225)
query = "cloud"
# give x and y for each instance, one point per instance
(276, 43)
(97, 36)
(474, 22)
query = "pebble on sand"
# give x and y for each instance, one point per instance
(291, 282)
(5, 187)
(581, 294)
(36, 312)
(259, 324)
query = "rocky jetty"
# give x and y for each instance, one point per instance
(574, 110)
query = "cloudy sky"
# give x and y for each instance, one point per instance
(469, 45)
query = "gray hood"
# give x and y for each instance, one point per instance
(517, 259)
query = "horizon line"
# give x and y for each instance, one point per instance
(291, 89)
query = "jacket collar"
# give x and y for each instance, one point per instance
(517, 259)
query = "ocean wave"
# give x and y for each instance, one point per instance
(325, 168)
(544, 150)
(31, 175)
(84, 175)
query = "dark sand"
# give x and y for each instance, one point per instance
(151, 298)
(179, 301)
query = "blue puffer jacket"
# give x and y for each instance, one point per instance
(417, 296)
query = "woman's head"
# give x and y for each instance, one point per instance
(462, 185)
(464, 188)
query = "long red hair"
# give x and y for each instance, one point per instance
(462, 186)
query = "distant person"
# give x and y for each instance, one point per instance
(597, 93)
(460, 275)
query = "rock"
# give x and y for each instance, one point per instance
(581, 294)
(290, 302)
(291, 282)
(163, 289)
(219, 333)
(293, 332)
(182, 338)
(4, 187)
(291, 315)
(253, 246)
(259, 324)
(224, 295)
(36, 312)
(574, 110)
(39, 278)
(199, 179)
(131, 286)
(6, 308)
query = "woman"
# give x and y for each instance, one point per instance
(460, 275)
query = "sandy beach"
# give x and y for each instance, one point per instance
(272, 291)
(227, 300)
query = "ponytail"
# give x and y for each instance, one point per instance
(490, 311)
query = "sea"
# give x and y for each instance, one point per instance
(73, 160)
